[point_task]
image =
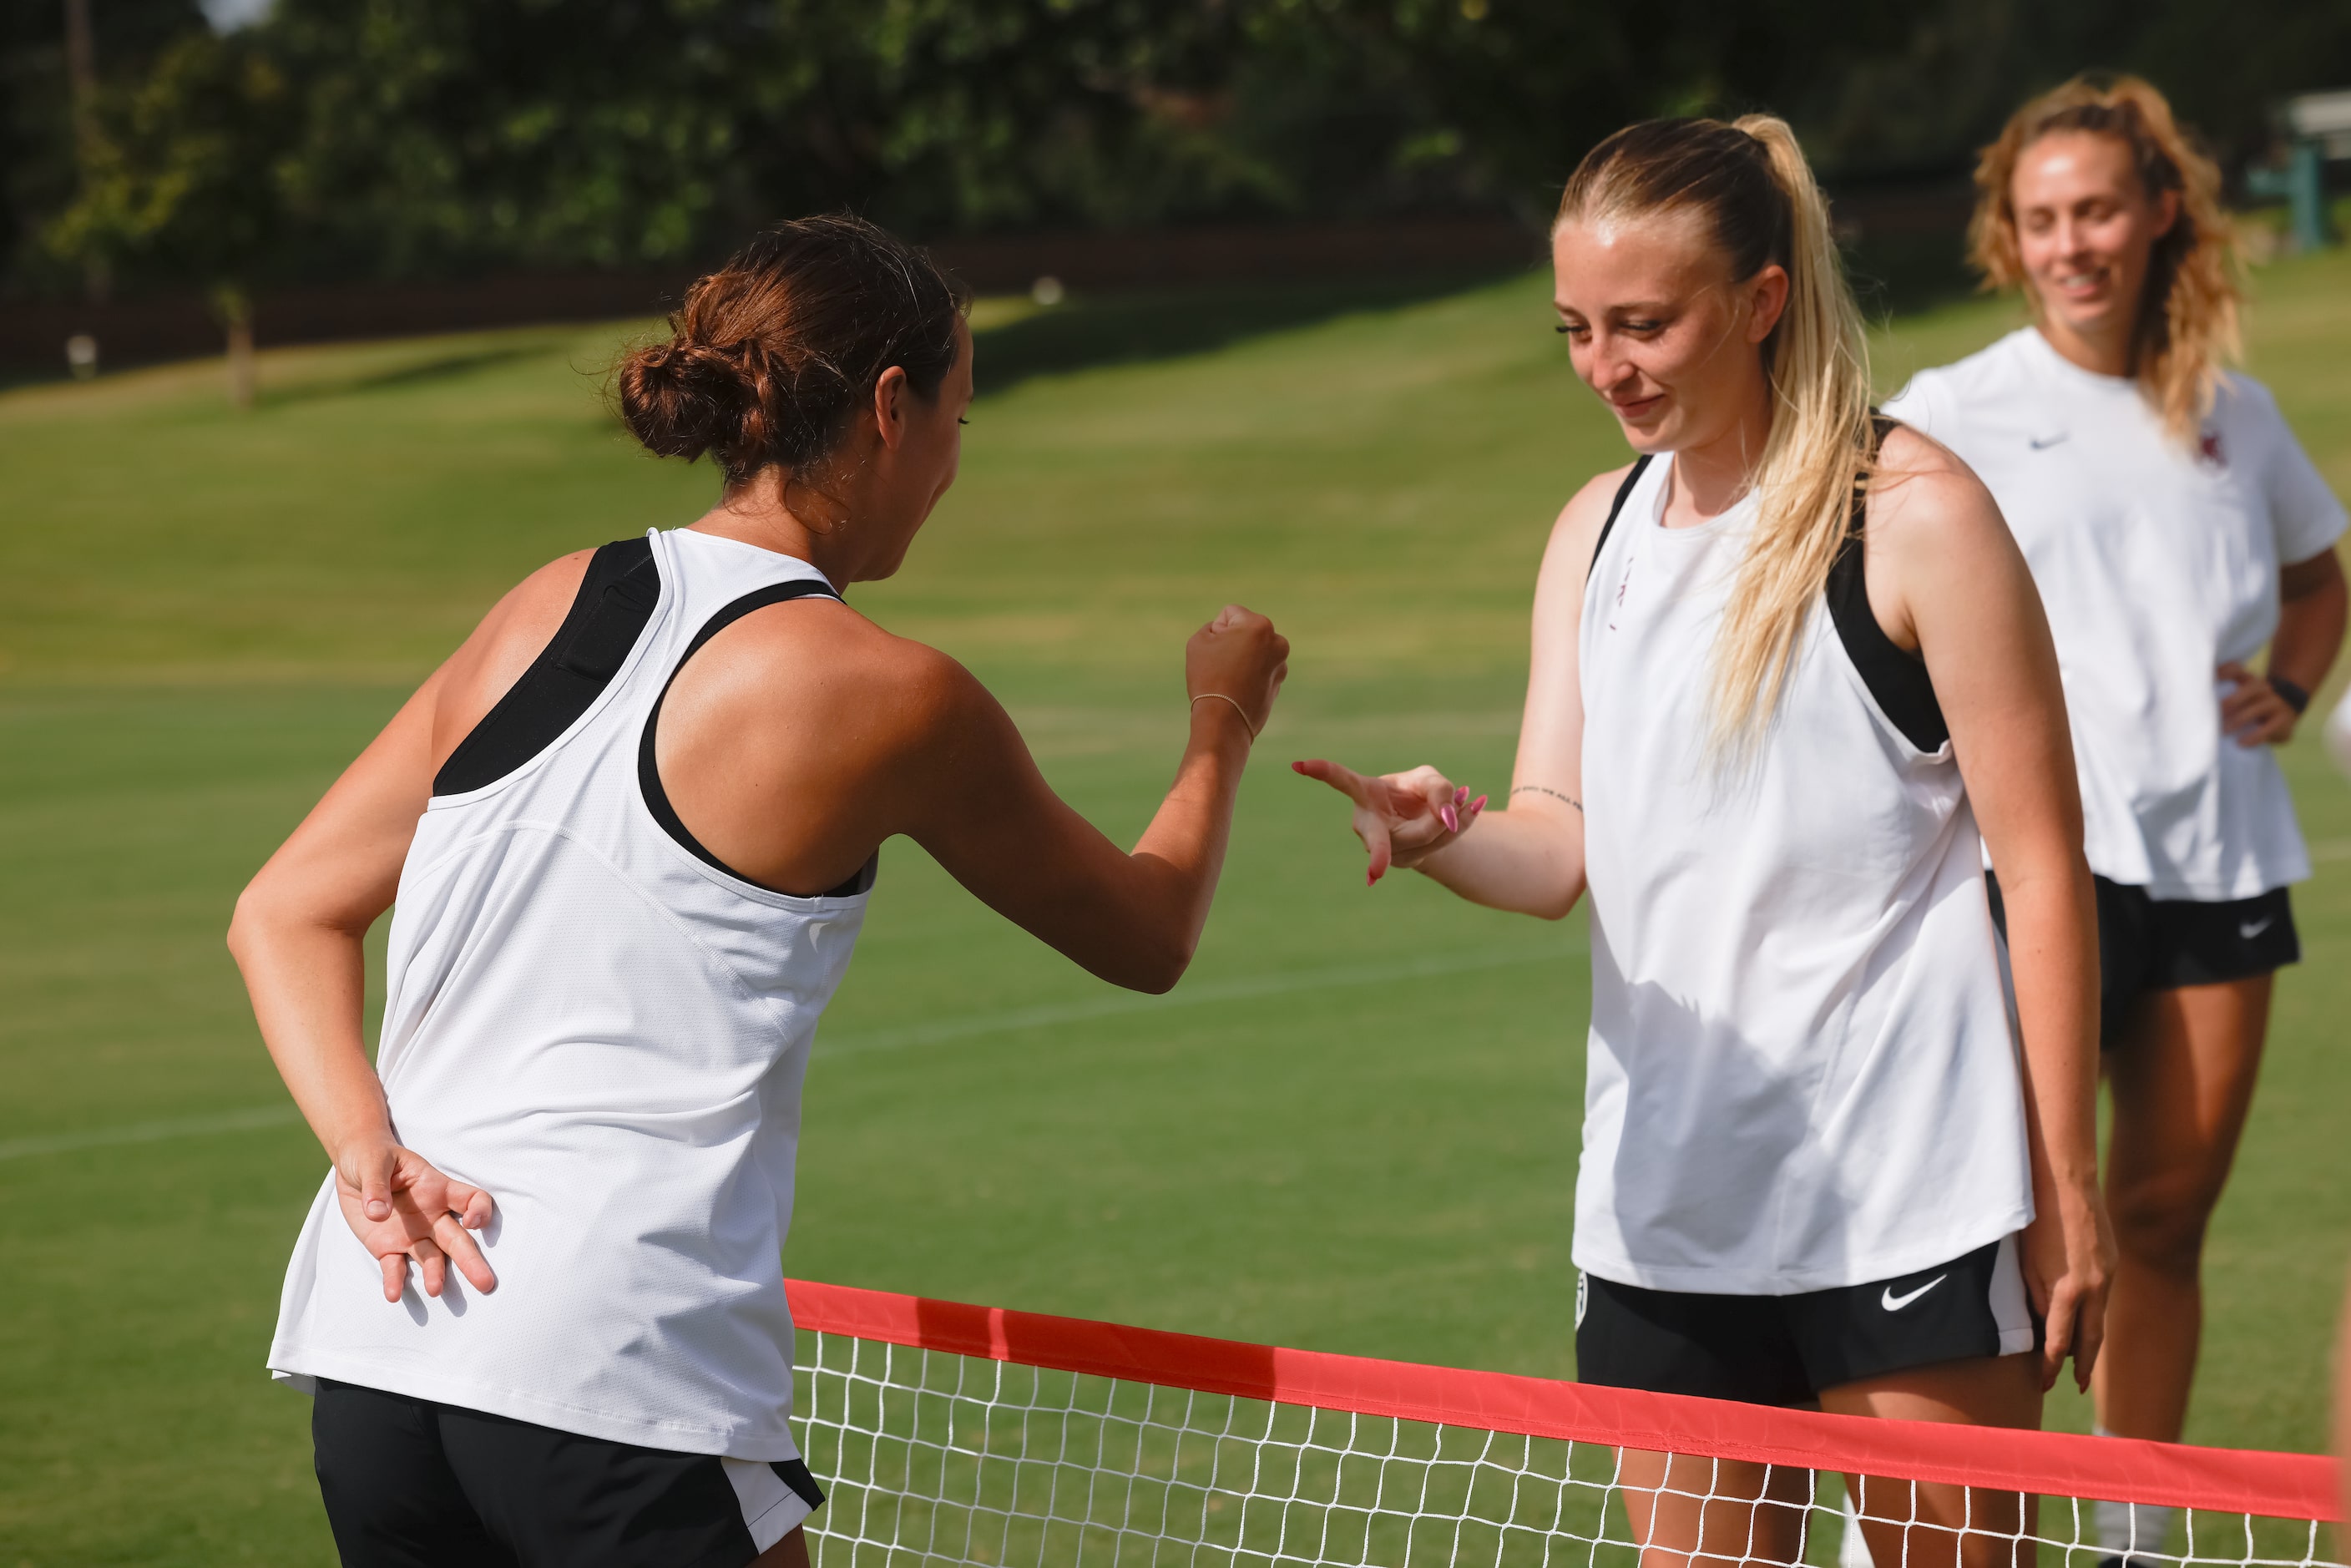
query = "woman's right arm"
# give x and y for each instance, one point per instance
(1132, 918)
(1527, 857)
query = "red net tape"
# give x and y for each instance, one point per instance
(2233, 1481)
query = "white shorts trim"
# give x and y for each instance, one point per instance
(2011, 1309)
(771, 1509)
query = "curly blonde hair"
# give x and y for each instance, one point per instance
(2187, 324)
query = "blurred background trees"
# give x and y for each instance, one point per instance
(343, 139)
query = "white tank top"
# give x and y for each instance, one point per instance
(1802, 1071)
(606, 1031)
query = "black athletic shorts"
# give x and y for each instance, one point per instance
(2161, 943)
(412, 1484)
(1783, 1349)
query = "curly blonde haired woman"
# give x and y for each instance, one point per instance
(2174, 527)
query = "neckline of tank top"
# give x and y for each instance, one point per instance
(762, 550)
(1739, 513)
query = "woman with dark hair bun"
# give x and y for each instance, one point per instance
(630, 826)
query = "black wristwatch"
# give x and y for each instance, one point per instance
(2295, 697)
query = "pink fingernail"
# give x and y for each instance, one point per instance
(1461, 794)
(1452, 823)
(1479, 804)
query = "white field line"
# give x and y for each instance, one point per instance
(1122, 1004)
(151, 1131)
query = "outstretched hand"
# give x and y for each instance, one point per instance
(404, 1211)
(1401, 818)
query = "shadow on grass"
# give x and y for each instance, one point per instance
(1128, 328)
(418, 372)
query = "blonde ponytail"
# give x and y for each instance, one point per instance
(1751, 182)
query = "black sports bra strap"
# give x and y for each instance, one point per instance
(1623, 492)
(609, 613)
(649, 773)
(1895, 677)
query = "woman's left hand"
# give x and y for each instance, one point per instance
(2069, 1266)
(2253, 714)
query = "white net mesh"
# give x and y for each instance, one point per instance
(928, 1457)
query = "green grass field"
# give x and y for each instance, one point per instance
(1353, 1127)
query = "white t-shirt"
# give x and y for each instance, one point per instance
(2158, 562)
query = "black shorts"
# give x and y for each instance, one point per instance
(2148, 943)
(412, 1484)
(1783, 1349)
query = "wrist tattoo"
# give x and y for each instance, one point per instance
(1539, 789)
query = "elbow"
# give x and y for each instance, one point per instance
(1154, 971)
(1562, 902)
(241, 921)
(249, 920)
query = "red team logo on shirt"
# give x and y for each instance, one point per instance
(2209, 449)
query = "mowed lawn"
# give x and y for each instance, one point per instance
(1353, 1127)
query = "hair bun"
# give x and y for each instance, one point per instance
(770, 357)
(683, 398)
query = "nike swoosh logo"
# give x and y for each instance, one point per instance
(1894, 1303)
(2252, 928)
(2042, 444)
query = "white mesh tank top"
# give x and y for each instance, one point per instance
(1801, 1072)
(594, 1022)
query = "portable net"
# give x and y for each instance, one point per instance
(946, 1433)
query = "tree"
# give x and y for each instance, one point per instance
(183, 180)
(38, 160)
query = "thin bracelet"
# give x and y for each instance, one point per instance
(1220, 696)
(2295, 697)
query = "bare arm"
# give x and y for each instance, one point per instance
(1946, 578)
(2343, 1408)
(299, 926)
(1527, 857)
(1134, 919)
(2311, 605)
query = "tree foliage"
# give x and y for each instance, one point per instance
(38, 172)
(398, 137)
(185, 172)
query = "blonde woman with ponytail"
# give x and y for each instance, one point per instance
(1789, 678)
(2174, 526)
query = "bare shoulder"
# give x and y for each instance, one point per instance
(1588, 508)
(1924, 500)
(538, 601)
(859, 678)
(502, 646)
(1576, 533)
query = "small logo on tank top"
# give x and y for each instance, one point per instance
(1621, 588)
(2209, 452)
(2043, 443)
